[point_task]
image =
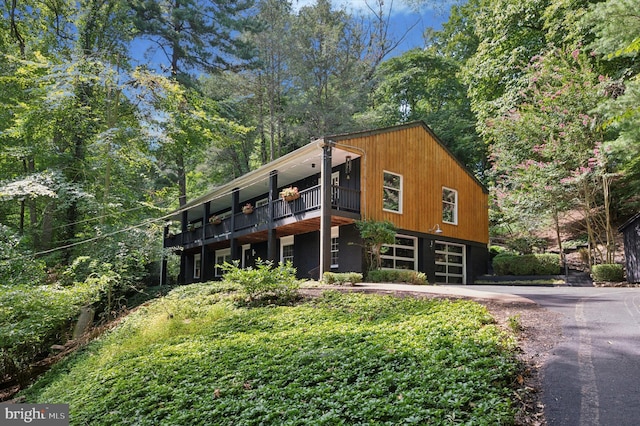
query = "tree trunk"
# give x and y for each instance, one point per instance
(47, 227)
(182, 181)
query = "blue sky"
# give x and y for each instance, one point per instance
(403, 16)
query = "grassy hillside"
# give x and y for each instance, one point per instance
(196, 357)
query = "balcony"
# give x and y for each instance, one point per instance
(343, 200)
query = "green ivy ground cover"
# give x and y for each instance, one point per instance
(195, 358)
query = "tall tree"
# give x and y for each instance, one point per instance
(510, 34)
(328, 71)
(615, 26)
(548, 153)
(271, 76)
(194, 35)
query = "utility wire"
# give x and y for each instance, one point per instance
(258, 179)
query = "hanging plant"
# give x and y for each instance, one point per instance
(289, 194)
(247, 208)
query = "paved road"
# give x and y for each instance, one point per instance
(593, 374)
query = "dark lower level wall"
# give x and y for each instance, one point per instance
(350, 256)
(307, 252)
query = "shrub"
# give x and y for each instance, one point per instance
(397, 276)
(18, 266)
(496, 250)
(527, 245)
(264, 280)
(342, 278)
(32, 318)
(548, 264)
(528, 264)
(375, 235)
(611, 272)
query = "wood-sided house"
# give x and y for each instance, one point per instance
(403, 174)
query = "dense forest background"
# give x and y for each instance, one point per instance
(539, 98)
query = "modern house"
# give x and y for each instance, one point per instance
(631, 234)
(402, 174)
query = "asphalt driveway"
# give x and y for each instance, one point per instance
(593, 375)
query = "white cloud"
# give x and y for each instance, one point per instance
(398, 7)
(357, 6)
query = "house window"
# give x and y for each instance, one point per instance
(392, 192)
(286, 249)
(449, 206)
(262, 202)
(402, 254)
(222, 256)
(197, 265)
(334, 246)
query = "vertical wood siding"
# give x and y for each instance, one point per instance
(426, 167)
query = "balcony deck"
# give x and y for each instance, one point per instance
(300, 215)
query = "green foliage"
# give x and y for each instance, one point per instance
(528, 264)
(342, 278)
(608, 272)
(212, 41)
(527, 245)
(514, 323)
(397, 276)
(496, 250)
(17, 266)
(265, 280)
(337, 359)
(330, 74)
(375, 234)
(34, 317)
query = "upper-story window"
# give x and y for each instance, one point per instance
(392, 192)
(449, 206)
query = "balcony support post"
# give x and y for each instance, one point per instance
(205, 274)
(325, 208)
(184, 222)
(272, 242)
(235, 209)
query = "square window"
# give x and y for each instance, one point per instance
(392, 192)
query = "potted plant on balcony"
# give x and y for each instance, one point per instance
(289, 194)
(215, 220)
(247, 208)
